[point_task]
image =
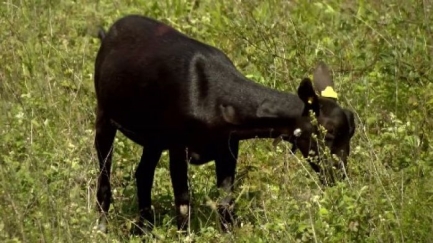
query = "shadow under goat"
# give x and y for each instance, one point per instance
(167, 91)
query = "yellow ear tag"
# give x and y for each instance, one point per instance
(310, 100)
(329, 92)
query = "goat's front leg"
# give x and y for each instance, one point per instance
(179, 180)
(225, 165)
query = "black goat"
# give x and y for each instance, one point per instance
(165, 90)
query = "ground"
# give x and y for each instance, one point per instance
(381, 54)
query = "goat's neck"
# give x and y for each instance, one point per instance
(263, 112)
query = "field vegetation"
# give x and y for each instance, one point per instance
(381, 53)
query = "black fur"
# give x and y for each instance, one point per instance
(167, 91)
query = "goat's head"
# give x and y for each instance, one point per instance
(323, 111)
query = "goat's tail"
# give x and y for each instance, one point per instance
(101, 33)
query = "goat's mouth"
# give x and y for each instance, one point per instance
(332, 171)
(329, 168)
(280, 138)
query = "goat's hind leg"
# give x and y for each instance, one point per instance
(104, 138)
(144, 180)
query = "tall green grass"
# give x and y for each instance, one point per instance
(381, 54)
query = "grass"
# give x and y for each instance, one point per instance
(381, 54)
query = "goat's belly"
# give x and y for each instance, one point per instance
(202, 153)
(142, 135)
(200, 157)
(200, 144)
(139, 138)
(196, 156)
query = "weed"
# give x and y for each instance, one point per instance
(381, 54)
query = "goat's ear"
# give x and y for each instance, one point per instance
(351, 121)
(307, 94)
(229, 114)
(323, 81)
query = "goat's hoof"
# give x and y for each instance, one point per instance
(144, 223)
(228, 219)
(102, 228)
(136, 230)
(182, 232)
(228, 227)
(102, 225)
(139, 228)
(182, 228)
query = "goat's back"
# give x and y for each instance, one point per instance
(147, 77)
